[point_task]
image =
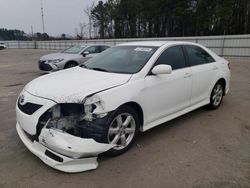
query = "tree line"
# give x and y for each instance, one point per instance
(12, 34)
(15, 34)
(169, 18)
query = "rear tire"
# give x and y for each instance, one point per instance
(216, 96)
(122, 130)
(70, 65)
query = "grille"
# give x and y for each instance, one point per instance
(43, 66)
(29, 108)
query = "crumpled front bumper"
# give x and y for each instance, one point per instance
(56, 148)
(70, 148)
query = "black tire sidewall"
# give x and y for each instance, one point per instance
(70, 63)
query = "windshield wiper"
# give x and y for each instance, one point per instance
(100, 69)
(97, 69)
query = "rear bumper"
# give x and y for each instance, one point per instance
(62, 162)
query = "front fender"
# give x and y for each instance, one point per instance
(113, 98)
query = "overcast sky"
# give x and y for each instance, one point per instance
(60, 16)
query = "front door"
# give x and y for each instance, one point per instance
(168, 93)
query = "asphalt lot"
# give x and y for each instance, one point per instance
(201, 149)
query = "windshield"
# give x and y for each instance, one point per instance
(74, 49)
(121, 59)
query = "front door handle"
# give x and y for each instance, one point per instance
(215, 68)
(187, 75)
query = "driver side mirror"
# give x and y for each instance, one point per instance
(162, 69)
(85, 53)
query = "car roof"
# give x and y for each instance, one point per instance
(155, 43)
(88, 45)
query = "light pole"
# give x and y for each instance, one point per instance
(42, 16)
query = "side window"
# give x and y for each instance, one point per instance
(102, 48)
(92, 50)
(172, 56)
(197, 55)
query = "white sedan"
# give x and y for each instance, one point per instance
(69, 117)
(2, 46)
(70, 57)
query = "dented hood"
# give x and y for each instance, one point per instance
(73, 85)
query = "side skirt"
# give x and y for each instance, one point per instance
(174, 115)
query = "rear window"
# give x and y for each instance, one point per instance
(198, 56)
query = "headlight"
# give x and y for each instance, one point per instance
(55, 60)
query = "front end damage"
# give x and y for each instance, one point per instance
(68, 136)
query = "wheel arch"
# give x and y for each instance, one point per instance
(138, 110)
(223, 82)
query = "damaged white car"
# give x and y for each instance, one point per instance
(69, 117)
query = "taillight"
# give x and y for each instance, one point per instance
(228, 64)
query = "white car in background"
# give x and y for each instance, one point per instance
(70, 57)
(2, 46)
(69, 117)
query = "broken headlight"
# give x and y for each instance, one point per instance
(93, 108)
(65, 117)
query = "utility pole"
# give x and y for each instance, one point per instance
(90, 25)
(42, 16)
(32, 33)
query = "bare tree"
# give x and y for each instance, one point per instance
(76, 32)
(80, 31)
(82, 27)
(87, 11)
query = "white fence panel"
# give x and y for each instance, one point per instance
(231, 45)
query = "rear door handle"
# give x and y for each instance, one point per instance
(187, 75)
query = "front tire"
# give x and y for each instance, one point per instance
(70, 65)
(122, 130)
(216, 96)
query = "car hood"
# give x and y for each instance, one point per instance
(57, 56)
(73, 85)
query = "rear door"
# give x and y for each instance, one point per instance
(204, 70)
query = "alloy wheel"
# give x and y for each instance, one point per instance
(217, 95)
(122, 131)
